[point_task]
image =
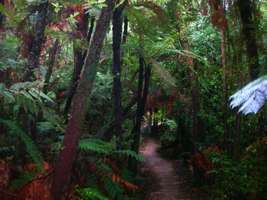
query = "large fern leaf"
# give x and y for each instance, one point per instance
(31, 148)
(106, 148)
(26, 95)
(96, 146)
(130, 154)
(250, 98)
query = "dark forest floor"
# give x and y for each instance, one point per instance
(169, 180)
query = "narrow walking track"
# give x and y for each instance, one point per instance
(171, 182)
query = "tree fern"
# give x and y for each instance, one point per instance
(31, 148)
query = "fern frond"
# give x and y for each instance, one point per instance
(106, 148)
(22, 180)
(31, 148)
(130, 154)
(26, 95)
(164, 74)
(124, 183)
(90, 194)
(114, 190)
(96, 145)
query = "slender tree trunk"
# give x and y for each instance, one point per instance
(79, 56)
(138, 115)
(196, 130)
(116, 70)
(225, 91)
(67, 156)
(78, 64)
(2, 17)
(51, 62)
(143, 87)
(249, 33)
(237, 142)
(91, 29)
(125, 30)
(37, 40)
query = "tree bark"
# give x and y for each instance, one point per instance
(249, 33)
(225, 91)
(67, 156)
(51, 62)
(143, 87)
(79, 56)
(37, 40)
(91, 29)
(125, 30)
(138, 115)
(116, 70)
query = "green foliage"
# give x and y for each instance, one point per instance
(114, 190)
(129, 154)
(179, 40)
(106, 148)
(90, 194)
(244, 178)
(24, 95)
(22, 180)
(51, 121)
(103, 87)
(31, 147)
(96, 146)
(8, 53)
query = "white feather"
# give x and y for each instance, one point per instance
(250, 98)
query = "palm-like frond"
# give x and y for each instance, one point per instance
(250, 98)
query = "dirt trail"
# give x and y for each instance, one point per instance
(171, 181)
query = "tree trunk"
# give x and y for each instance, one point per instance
(67, 156)
(125, 30)
(91, 29)
(138, 115)
(237, 139)
(37, 40)
(79, 56)
(249, 33)
(197, 129)
(225, 91)
(116, 70)
(51, 62)
(143, 87)
(2, 17)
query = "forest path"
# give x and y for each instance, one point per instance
(170, 181)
